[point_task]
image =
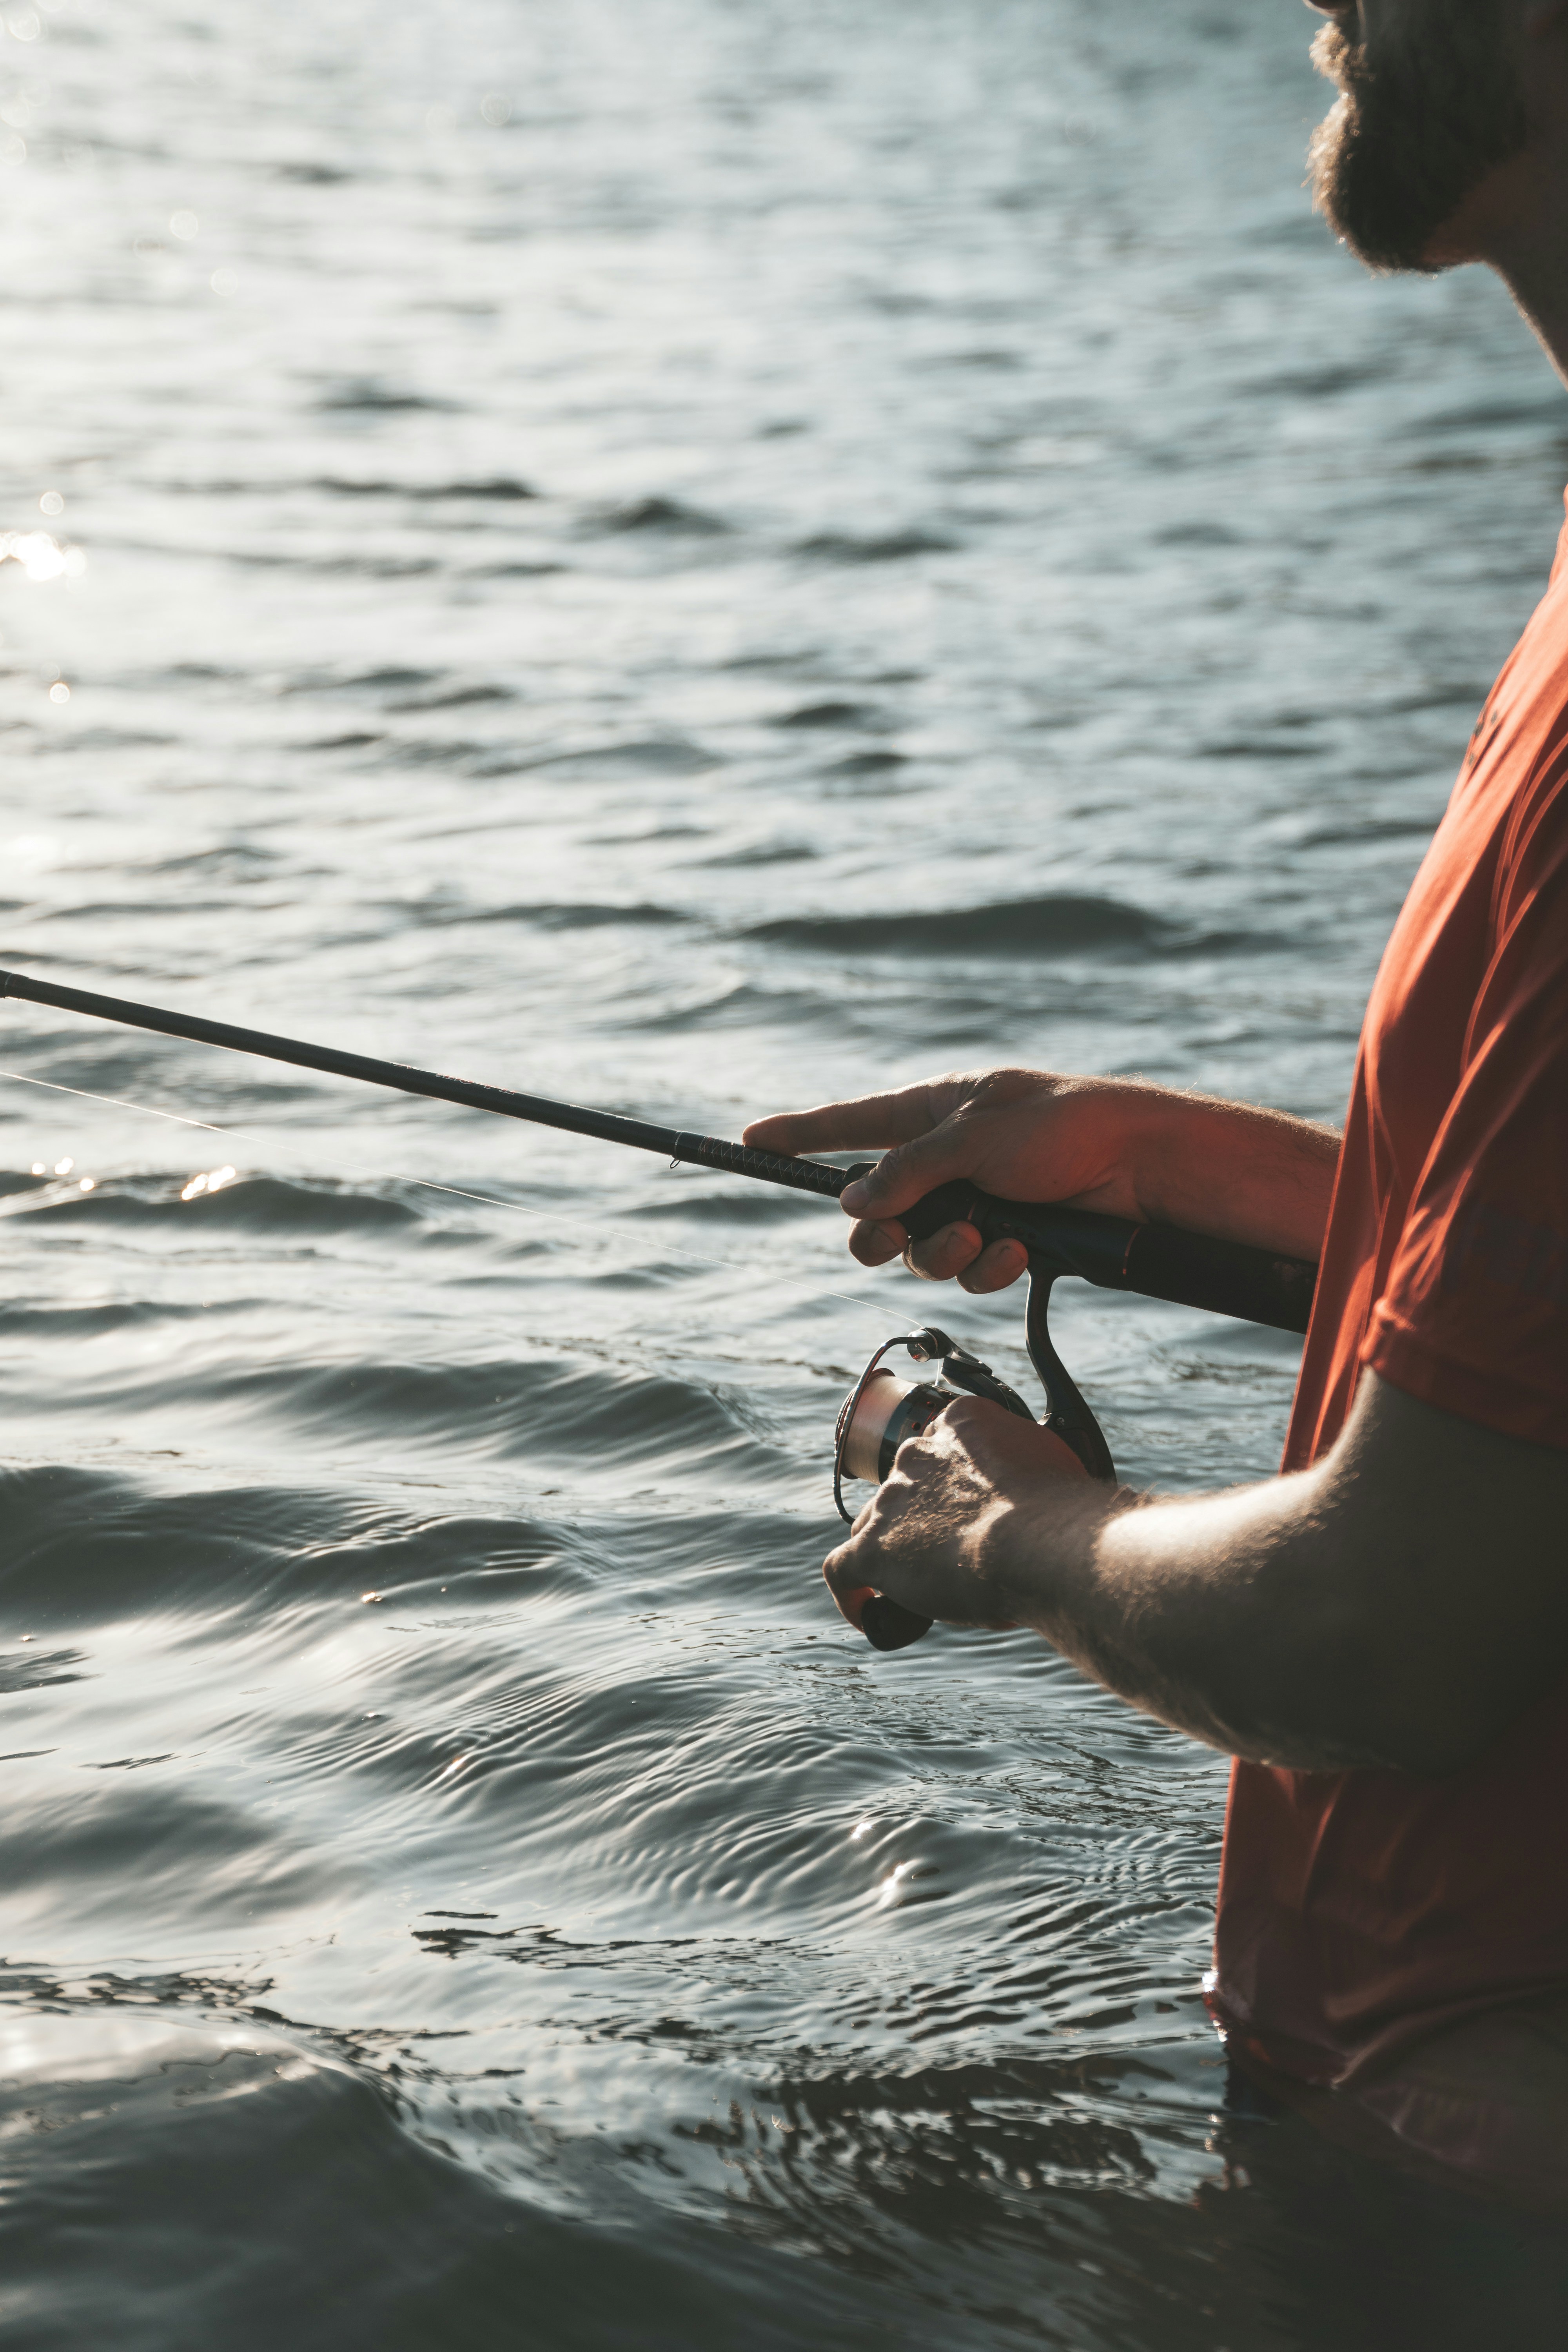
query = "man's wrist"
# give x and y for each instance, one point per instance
(1032, 1550)
(1237, 1170)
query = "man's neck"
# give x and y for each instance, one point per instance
(1541, 294)
(1517, 220)
(1517, 223)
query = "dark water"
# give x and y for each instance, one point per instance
(697, 555)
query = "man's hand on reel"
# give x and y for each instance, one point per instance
(936, 1534)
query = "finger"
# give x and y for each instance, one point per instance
(877, 1244)
(907, 1172)
(944, 1255)
(995, 1267)
(986, 1433)
(869, 1123)
(849, 1596)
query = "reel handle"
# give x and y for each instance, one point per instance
(888, 1627)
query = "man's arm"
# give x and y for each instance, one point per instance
(1398, 1605)
(1224, 1168)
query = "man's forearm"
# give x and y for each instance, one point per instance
(1167, 1602)
(1237, 1171)
(1327, 1621)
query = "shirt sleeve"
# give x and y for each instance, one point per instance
(1474, 1319)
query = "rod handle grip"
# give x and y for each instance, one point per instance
(888, 1627)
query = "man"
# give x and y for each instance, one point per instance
(1380, 1634)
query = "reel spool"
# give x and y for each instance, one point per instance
(882, 1410)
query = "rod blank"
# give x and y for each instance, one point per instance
(539, 1110)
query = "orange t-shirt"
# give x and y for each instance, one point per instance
(1359, 1911)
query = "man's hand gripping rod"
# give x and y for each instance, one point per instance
(1158, 1261)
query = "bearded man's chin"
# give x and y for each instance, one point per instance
(1360, 197)
(1413, 135)
(1379, 221)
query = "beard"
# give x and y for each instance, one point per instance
(1419, 122)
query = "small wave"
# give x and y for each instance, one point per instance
(497, 489)
(359, 393)
(1260, 747)
(455, 697)
(358, 567)
(760, 1206)
(544, 1411)
(652, 756)
(765, 853)
(816, 1013)
(232, 861)
(869, 764)
(1061, 924)
(1198, 534)
(101, 1548)
(520, 571)
(1366, 831)
(370, 681)
(1484, 415)
(1310, 384)
(116, 739)
(590, 917)
(254, 1203)
(211, 1858)
(830, 714)
(332, 567)
(41, 1669)
(659, 514)
(887, 547)
(659, 755)
(104, 910)
(78, 1323)
(428, 751)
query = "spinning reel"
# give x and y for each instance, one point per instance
(882, 1411)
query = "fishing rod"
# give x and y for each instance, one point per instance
(1156, 1261)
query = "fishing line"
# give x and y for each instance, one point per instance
(486, 1199)
(147, 1109)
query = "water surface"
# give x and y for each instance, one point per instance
(697, 556)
